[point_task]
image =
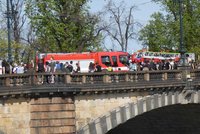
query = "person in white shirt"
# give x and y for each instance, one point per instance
(15, 68)
(171, 63)
(20, 69)
(132, 66)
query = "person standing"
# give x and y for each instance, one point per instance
(52, 66)
(57, 67)
(91, 67)
(171, 64)
(20, 70)
(152, 65)
(14, 70)
(40, 69)
(40, 66)
(132, 66)
(98, 68)
(3, 66)
(78, 68)
(69, 67)
(47, 70)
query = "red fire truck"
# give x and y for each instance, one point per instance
(117, 60)
(158, 56)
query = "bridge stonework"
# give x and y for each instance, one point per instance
(52, 115)
(37, 116)
(90, 103)
(15, 116)
(121, 114)
(89, 107)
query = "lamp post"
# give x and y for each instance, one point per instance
(9, 31)
(182, 64)
(182, 47)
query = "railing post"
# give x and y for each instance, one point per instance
(83, 79)
(68, 78)
(117, 78)
(131, 78)
(127, 77)
(136, 77)
(164, 76)
(146, 76)
(178, 76)
(92, 80)
(106, 78)
(192, 74)
(32, 79)
(185, 72)
(7, 81)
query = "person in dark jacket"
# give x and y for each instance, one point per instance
(40, 69)
(97, 68)
(41, 66)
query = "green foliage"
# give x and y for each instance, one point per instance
(62, 25)
(163, 31)
(157, 35)
(15, 46)
(3, 50)
(3, 43)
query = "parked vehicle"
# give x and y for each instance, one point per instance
(117, 60)
(158, 56)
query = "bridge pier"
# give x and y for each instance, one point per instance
(52, 115)
(40, 115)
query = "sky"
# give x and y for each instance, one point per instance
(142, 15)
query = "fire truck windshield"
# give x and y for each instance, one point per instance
(114, 59)
(106, 60)
(123, 59)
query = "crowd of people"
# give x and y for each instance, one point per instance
(48, 67)
(69, 67)
(160, 65)
(14, 68)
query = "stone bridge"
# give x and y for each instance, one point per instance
(121, 114)
(89, 103)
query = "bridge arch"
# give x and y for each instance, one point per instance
(119, 115)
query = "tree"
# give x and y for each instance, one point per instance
(120, 26)
(3, 39)
(171, 26)
(17, 19)
(62, 26)
(157, 35)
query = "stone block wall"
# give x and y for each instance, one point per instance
(52, 115)
(14, 116)
(37, 116)
(97, 105)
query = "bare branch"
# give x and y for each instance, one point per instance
(121, 24)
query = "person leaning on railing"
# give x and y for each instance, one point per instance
(77, 68)
(132, 66)
(40, 69)
(97, 67)
(52, 66)
(91, 67)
